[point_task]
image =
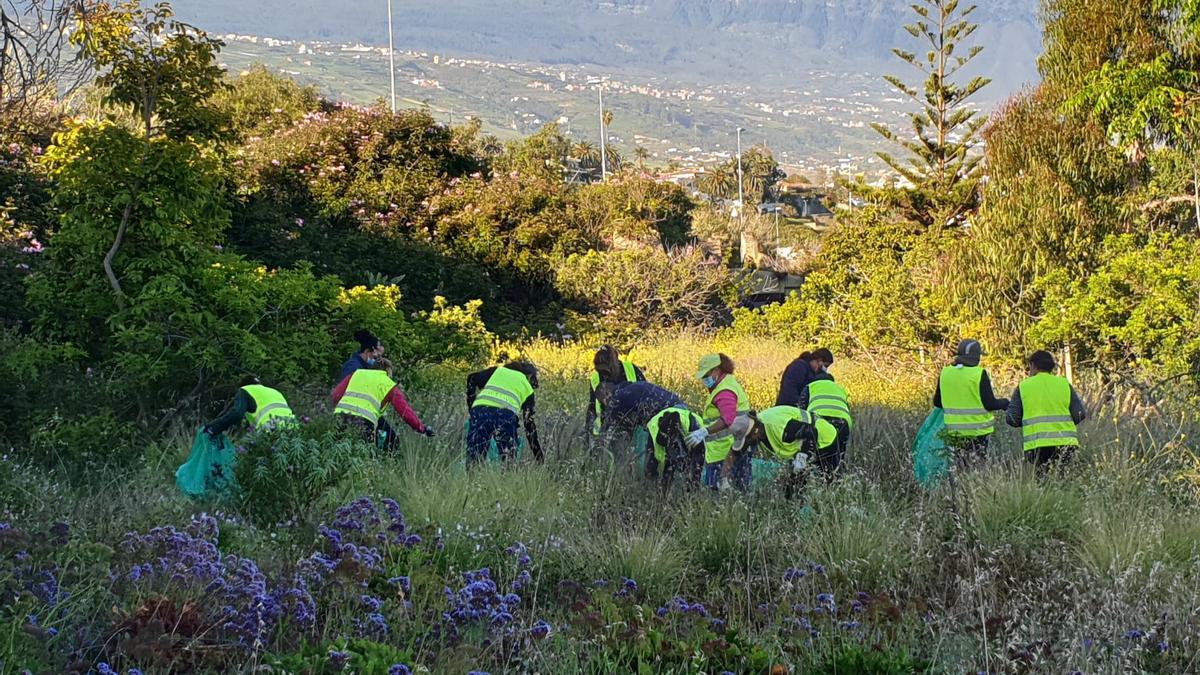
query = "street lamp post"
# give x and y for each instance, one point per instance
(603, 139)
(391, 56)
(741, 197)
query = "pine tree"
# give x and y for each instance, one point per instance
(942, 166)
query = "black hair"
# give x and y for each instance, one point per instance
(607, 362)
(823, 355)
(1043, 361)
(527, 369)
(366, 340)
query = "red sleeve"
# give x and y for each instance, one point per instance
(726, 402)
(396, 398)
(339, 390)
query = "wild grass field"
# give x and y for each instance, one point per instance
(578, 565)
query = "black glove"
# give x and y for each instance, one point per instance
(428, 432)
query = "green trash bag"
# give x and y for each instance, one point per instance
(930, 455)
(763, 471)
(641, 448)
(494, 447)
(208, 472)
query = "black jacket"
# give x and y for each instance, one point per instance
(794, 384)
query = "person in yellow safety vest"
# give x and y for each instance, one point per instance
(726, 416)
(669, 430)
(609, 367)
(260, 407)
(794, 436)
(1047, 410)
(825, 397)
(361, 398)
(964, 393)
(499, 399)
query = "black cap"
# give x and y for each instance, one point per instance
(969, 352)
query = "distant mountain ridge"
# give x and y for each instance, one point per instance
(755, 41)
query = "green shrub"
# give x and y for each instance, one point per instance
(80, 445)
(282, 474)
(867, 661)
(626, 293)
(1022, 511)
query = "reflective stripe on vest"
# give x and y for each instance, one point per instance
(269, 406)
(1046, 412)
(962, 404)
(829, 399)
(505, 389)
(630, 376)
(719, 445)
(365, 393)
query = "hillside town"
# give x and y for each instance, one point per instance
(817, 123)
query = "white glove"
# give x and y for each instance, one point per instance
(800, 461)
(696, 437)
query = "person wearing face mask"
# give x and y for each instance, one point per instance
(370, 349)
(806, 367)
(360, 399)
(727, 419)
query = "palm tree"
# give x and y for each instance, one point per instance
(718, 183)
(615, 161)
(585, 153)
(607, 118)
(642, 155)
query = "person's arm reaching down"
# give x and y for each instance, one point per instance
(527, 412)
(476, 382)
(1016, 412)
(339, 391)
(242, 403)
(400, 404)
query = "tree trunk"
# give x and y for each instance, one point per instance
(116, 246)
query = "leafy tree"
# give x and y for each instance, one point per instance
(1055, 192)
(631, 210)
(163, 69)
(587, 154)
(623, 294)
(642, 155)
(941, 165)
(1152, 103)
(1138, 309)
(36, 70)
(260, 103)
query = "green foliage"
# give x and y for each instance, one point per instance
(283, 473)
(260, 103)
(865, 661)
(864, 295)
(1139, 308)
(78, 445)
(1054, 193)
(162, 68)
(630, 292)
(631, 209)
(942, 167)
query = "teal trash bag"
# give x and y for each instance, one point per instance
(494, 447)
(930, 455)
(641, 448)
(208, 471)
(763, 471)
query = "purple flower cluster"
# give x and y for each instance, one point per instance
(23, 571)
(240, 601)
(357, 540)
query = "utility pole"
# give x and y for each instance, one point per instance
(391, 56)
(603, 139)
(741, 200)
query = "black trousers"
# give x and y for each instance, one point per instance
(969, 451)
(1046, 459)
(829, 460)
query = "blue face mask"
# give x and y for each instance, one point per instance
(709, 381)
(371, 361)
